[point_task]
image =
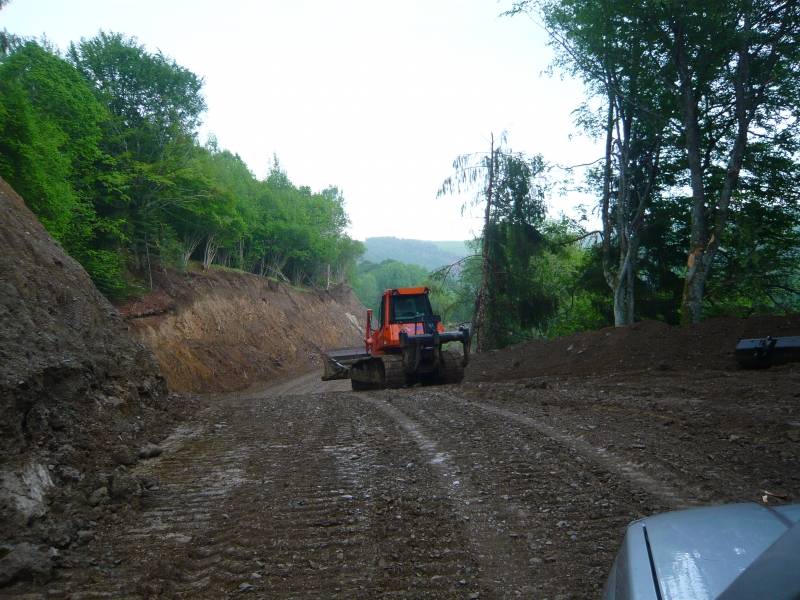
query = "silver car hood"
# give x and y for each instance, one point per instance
(694, 554)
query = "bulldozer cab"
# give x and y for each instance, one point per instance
(408, 309)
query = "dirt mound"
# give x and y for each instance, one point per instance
(224, 330)
(641, 346)
(79, 394)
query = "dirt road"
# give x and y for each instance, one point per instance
(489, 490)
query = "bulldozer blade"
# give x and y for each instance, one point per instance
(766, 352)
(337, 362)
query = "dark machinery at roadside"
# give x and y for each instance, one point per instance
(405, 349)
(759, 353)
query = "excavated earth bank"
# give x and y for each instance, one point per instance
(80, 398)
(224, 330)
(647, 346)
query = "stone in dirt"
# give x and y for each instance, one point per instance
(99, 497)
(124, 455)
(25, 560)
(68, 473)
(125, 484)
(150, 451)
(25, 489)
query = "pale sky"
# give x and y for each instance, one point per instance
(376, 97)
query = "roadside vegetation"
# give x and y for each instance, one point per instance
(102, 143)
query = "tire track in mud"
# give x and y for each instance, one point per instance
(561, 411)
(287, 497)
(502, 568)
(674, 498)
(545, 510)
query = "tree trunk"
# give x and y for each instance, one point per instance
(703, 250)
(480, 302)
(620, 305)
(212, 247)
(149, 268)
(630, 282)
(695, 272)
(240, 254)
(189, 245)
(617, 282)
(605, 210)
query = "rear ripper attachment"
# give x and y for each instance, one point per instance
(405, 349)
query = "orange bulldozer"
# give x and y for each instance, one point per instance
(404, 349)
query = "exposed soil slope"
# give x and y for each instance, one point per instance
(224, 330)
(78, 394)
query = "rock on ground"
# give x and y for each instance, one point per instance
(25, 560)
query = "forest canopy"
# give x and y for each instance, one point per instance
(102, 143)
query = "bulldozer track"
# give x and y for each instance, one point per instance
(395, 374)
(453, 371)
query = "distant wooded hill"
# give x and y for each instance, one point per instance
(430, 255)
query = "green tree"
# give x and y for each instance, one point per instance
(730, 68)
(367, 290)
(511, 187)
(51, 137)
(758, 260)
(31, 159)
(155, 106)
(748, 74)
(634, 120)
(103, 146)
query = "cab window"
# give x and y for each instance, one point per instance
(407, 309)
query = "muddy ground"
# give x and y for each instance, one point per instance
(517, 487)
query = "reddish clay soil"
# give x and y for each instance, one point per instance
(225, 330)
